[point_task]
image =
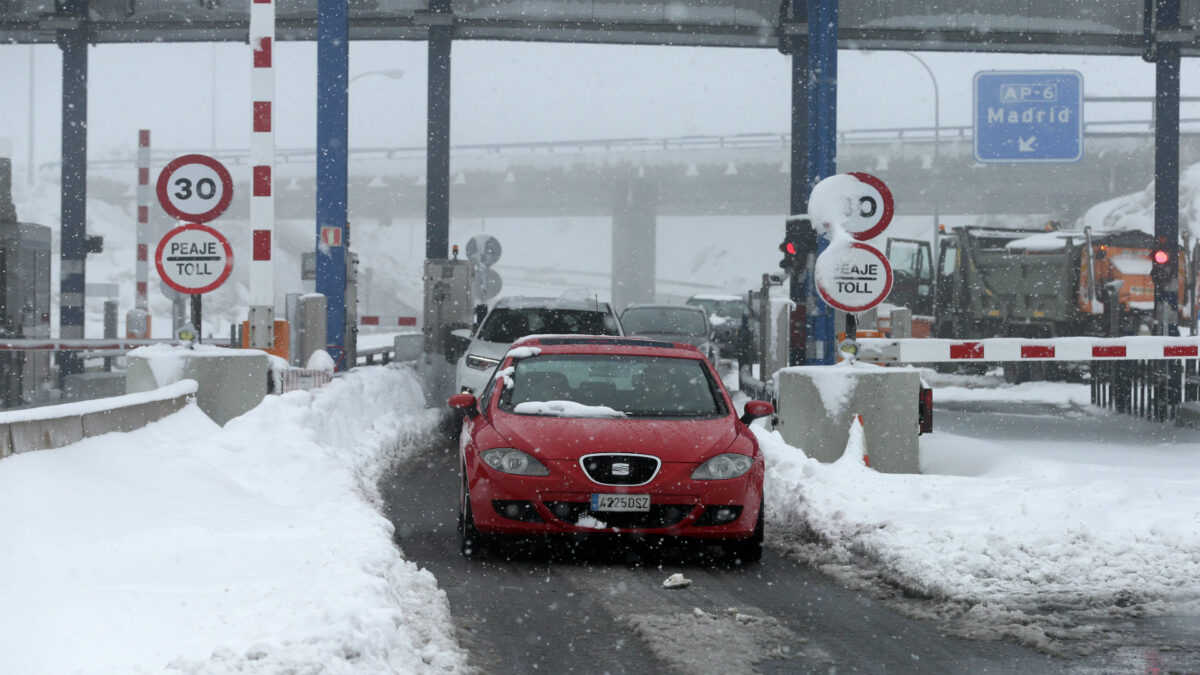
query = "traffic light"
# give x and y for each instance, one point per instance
(800, 239)
(1164, 267)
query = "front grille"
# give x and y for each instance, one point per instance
(620, 469)
(659, 515)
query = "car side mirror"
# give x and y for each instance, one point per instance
(465, 403)
(755, 410)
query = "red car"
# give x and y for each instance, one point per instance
(589, 434)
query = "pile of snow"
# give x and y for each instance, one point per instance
(1006, 538)
(1136, 211)
(257, 548)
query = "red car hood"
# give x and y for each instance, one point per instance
(671, 440)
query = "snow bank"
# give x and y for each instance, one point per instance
(1102, 531)
(257, 548)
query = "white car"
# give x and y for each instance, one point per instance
(511, 319)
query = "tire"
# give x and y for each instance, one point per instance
(471, 543)
(748, 550)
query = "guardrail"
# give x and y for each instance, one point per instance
(58, 425)
(1141, 127)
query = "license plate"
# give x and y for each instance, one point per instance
(610, 502)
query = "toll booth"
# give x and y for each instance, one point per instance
(25, 376)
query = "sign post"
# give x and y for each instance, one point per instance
(1028, 116)
(194, 259)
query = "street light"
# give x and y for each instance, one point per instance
(937, 137)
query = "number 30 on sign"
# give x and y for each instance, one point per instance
(195, 188)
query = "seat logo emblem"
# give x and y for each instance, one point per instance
(620, 469)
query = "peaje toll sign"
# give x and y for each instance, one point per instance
(194, 259)
(853, 277)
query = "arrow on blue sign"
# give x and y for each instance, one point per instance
(1028, 116)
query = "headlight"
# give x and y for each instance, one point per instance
(481, 362)
(728, 465)
(511, 460)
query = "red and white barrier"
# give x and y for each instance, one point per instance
(262, 160)
(928, 350)
(374, 320)
(144, 195)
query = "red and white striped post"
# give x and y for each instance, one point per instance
(137, 320)
(261, 323)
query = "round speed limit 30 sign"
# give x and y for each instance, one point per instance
(853, 276)
(194, 259)
(195, 188)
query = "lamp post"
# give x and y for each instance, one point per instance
(937, 137)
(29, 131)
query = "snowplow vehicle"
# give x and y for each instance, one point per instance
(1032, 283)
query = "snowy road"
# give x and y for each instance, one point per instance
(607, 611)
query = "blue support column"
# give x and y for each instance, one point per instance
(73, 251)
(333, 65)
(822, 152)
(437, 167)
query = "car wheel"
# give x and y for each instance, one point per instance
(470, 543)
(750, 549)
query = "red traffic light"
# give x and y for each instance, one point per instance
(1161, 257)
(790, 248)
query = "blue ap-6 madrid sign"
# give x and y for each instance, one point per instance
(1028, 116)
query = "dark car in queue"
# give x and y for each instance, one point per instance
(673, 323)
(592, 435)
(735, 333)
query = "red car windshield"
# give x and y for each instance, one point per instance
(633, 386)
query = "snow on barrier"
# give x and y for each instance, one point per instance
(58, 425)
(930, 350)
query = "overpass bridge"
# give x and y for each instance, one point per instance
(744, 174)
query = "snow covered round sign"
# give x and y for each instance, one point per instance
(858, 203)
(194, 259)
(853, 276)
(195, 188)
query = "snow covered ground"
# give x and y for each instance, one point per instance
(259, 547)
(1024, 539)
(254, 548)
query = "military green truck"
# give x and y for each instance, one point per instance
(1031, 283)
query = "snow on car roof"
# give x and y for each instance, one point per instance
(521, 302)
(582, 344)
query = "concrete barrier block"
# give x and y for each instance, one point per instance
(230, 381)
(816, 405)
(126, 418)
(47, 433)
(409, 346)
(6, 444)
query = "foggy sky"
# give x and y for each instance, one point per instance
(508, 92)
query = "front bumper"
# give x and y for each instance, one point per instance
(561, 503)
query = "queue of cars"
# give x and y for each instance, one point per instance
(571, 425)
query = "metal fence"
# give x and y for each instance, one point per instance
(1151, 390)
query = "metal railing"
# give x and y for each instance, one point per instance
(238, 157)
